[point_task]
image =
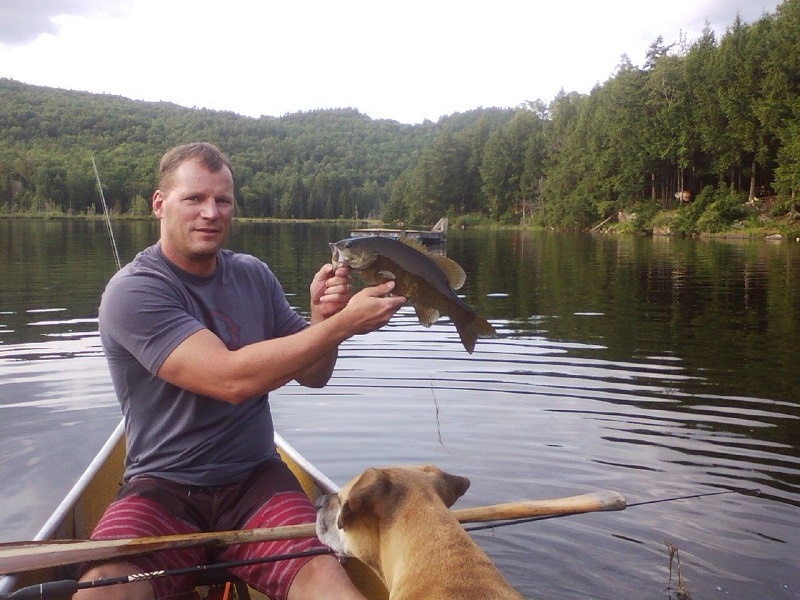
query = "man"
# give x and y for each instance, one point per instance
(196, 336)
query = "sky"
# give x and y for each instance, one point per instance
(407, 61)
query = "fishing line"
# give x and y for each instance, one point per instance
(743, 491)
(107, 215)
(498, 524)
(436, 406)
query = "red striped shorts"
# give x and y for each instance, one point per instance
(151, 506)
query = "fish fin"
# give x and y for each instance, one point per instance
(388, 275)
(455, 274)
(456, 277)
(427, 316)
(412, 243)
(470, 331)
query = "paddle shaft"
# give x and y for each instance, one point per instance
(28, 556)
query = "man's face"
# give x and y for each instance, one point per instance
(196, 210)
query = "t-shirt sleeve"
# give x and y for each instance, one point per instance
(144, 315)
(287, 320)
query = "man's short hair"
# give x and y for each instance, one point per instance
(209, 156)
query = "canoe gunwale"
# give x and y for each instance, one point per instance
(65, 509)
(50, 529)
(322, 481)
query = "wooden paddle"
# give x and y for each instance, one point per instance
(16, 557)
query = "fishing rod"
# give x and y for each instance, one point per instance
(107, 216)
(507, 522)
(58, 590)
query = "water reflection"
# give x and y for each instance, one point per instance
(655, 367)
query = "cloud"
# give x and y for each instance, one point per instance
(420, 60)
(722, 13)
(23, 22)
(692, 16)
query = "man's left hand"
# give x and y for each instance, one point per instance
(330, 291)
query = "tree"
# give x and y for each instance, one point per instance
(513, 163)
(740, 63)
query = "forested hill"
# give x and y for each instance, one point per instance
(717, 118)
(316, 164)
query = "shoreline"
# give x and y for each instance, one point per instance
(766, 233)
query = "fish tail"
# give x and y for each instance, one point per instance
(471, 328)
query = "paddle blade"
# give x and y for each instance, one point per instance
(593, 502)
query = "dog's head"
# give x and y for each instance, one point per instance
(348, 521)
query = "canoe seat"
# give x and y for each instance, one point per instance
(221, 585)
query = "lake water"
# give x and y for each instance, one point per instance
(653, 367)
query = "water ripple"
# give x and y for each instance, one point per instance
(528, 417)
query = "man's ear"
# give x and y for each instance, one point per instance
(449, 487)
(367, 490)
(157, 203)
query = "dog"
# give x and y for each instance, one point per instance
(397, 521)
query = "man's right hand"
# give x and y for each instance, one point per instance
(372, 307)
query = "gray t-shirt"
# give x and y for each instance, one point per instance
(150, 307)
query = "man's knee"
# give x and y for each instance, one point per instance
(139, 590)
(323, 577)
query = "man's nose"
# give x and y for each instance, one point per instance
(210, 210)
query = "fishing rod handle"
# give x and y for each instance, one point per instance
(51, 590)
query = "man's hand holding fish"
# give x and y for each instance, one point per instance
(330, 291)
(369, 309)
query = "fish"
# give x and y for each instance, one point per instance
(427, 280)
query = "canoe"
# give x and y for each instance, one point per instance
(75, 518)
(82, 507)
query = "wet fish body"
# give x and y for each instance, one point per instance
(427, 280)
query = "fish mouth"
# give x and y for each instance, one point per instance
(337, 258)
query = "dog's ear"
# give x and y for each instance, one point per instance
(449, 487)
(363, 493)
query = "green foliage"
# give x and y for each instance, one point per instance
(140, 207)
(687, 216)
(713, 211)
(448, 174)
(471, 221)
(784, 207)
(694, 116)
(317, 164)
(723, 211)
(641, 217)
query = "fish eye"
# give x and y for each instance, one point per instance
(348, 244)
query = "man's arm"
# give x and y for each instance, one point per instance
(204, 365)
(330, 293)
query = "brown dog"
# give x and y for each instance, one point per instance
(397, 521)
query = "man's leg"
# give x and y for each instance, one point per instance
(133, 516)
(140, 590)
(272, 497)
(323, 577)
